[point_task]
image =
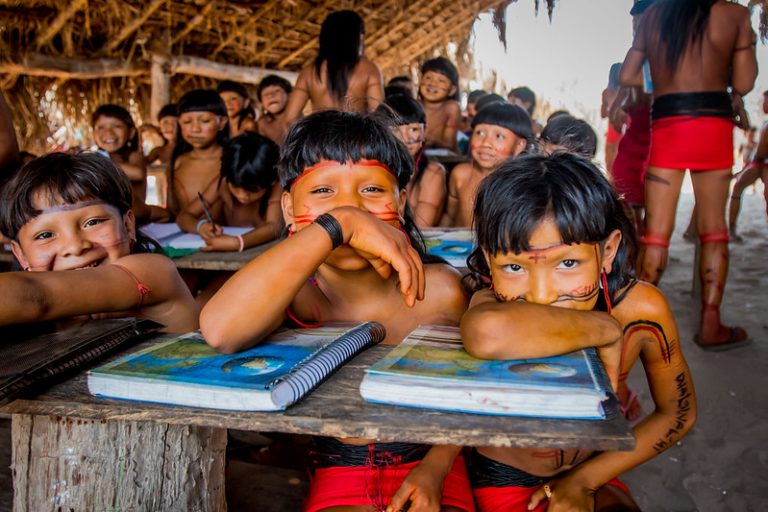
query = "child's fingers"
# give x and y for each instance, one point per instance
(400, 498)
(539, 496)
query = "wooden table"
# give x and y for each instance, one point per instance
(84, 453)
(231, 261)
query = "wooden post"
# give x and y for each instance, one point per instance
(65, 463)
(160, 73)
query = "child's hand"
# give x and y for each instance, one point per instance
(221, 243)
(610, 355)
(420, 492)
(208, 230)
(565, 496)
(385, 247)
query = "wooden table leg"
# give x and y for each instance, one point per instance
(64, 463)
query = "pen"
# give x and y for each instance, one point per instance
(206, 211)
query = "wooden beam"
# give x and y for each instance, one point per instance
(131, 27)
(194, 22)
(60, 20)
(160, 80)
(204, 67)
(71, 69)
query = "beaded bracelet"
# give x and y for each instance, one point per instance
(242, 243)
(200, 223)
(329, 223)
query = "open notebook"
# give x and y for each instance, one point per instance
(169, 234)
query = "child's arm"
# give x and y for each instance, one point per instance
(253, 302)
(452, 204)
(447, 136)
(298, 98)
(672, 389)
(40, 296)
(134, 168)
(428, 211)
(189, 218)
(631, 73)
(423, 486)
(374, 88)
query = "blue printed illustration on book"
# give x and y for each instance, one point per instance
(454, 246)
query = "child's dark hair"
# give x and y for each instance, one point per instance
(514, 200)
(121, 114)
(526, 95)
(346, 137)
(400, 110)
(475, 95)
(446, 68)
(168, 110)
(68, 178)
(273, 80)
(340, 38)
(573, 134)
(198, 100)
(249, 161)
(509, 116)
(488, 99)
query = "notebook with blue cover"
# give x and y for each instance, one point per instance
(431, 369)
(271, 376)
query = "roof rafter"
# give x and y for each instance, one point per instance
(56, 25)
(131, 27)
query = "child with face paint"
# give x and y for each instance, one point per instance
(73, 231)
(196, 161)
(439, 94)
(239, 110)
(427, 188)
(554, 265)
(500, 131)
(115, 133)
(273, 94)
(247, 195)
(351, 256)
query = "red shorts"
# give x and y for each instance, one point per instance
(698, 143)
(366, 486)
(514, 499)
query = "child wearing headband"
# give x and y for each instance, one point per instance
(352, 254)
(500, 130)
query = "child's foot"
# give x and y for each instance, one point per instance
(722, 338)
(735, 237)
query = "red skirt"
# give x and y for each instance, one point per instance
(515, 499)
(697, 143)
(367, 486)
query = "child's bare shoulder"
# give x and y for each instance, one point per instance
(444, 293)
(461, 172)
(643, 301)
(435, 169)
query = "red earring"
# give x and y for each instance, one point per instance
(604, 287)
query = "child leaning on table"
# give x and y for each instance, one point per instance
(555, 260)
(352, 255)
(72, 229)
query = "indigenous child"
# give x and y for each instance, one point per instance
(115, 133)
(341, 77)
(239, 109)
(168, 121)
(248, 195)
(351, 257)
(439, 94)
(526, 98)
(403, 82)
(554, 263)
(566, 133)
(196, 160)
(427, 187)
(500, 131)
(612, 136)
(273, 94)
(73, 212)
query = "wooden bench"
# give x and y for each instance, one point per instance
(79, 452)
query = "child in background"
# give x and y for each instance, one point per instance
(609, 95)
(168, 122)
(351, 257)
(196, 160)
(73, 212)
(239, 109)
(273, 94)
(427, 187)
(500, 131)
(555, 262)
(248, 195)
(439, 94)
(115, 133)
(405, 83)
(566, 133)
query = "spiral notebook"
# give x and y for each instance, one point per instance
(268, 377)
(36, 355)
(431, 369)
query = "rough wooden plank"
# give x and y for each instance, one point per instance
(204, 67)
(160, 79)
(336, 409)
(78, 464)
(74, 69)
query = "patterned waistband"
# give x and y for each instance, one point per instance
(485, 472)
(330, 452)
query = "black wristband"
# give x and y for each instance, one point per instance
(329, 223)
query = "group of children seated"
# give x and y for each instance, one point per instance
(552, 270)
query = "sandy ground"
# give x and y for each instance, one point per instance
(722, 465)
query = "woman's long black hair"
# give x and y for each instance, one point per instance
(347, 137)
(341, 37)
(680, 23)
(521, 193)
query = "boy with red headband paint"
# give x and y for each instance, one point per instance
(351, 255)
